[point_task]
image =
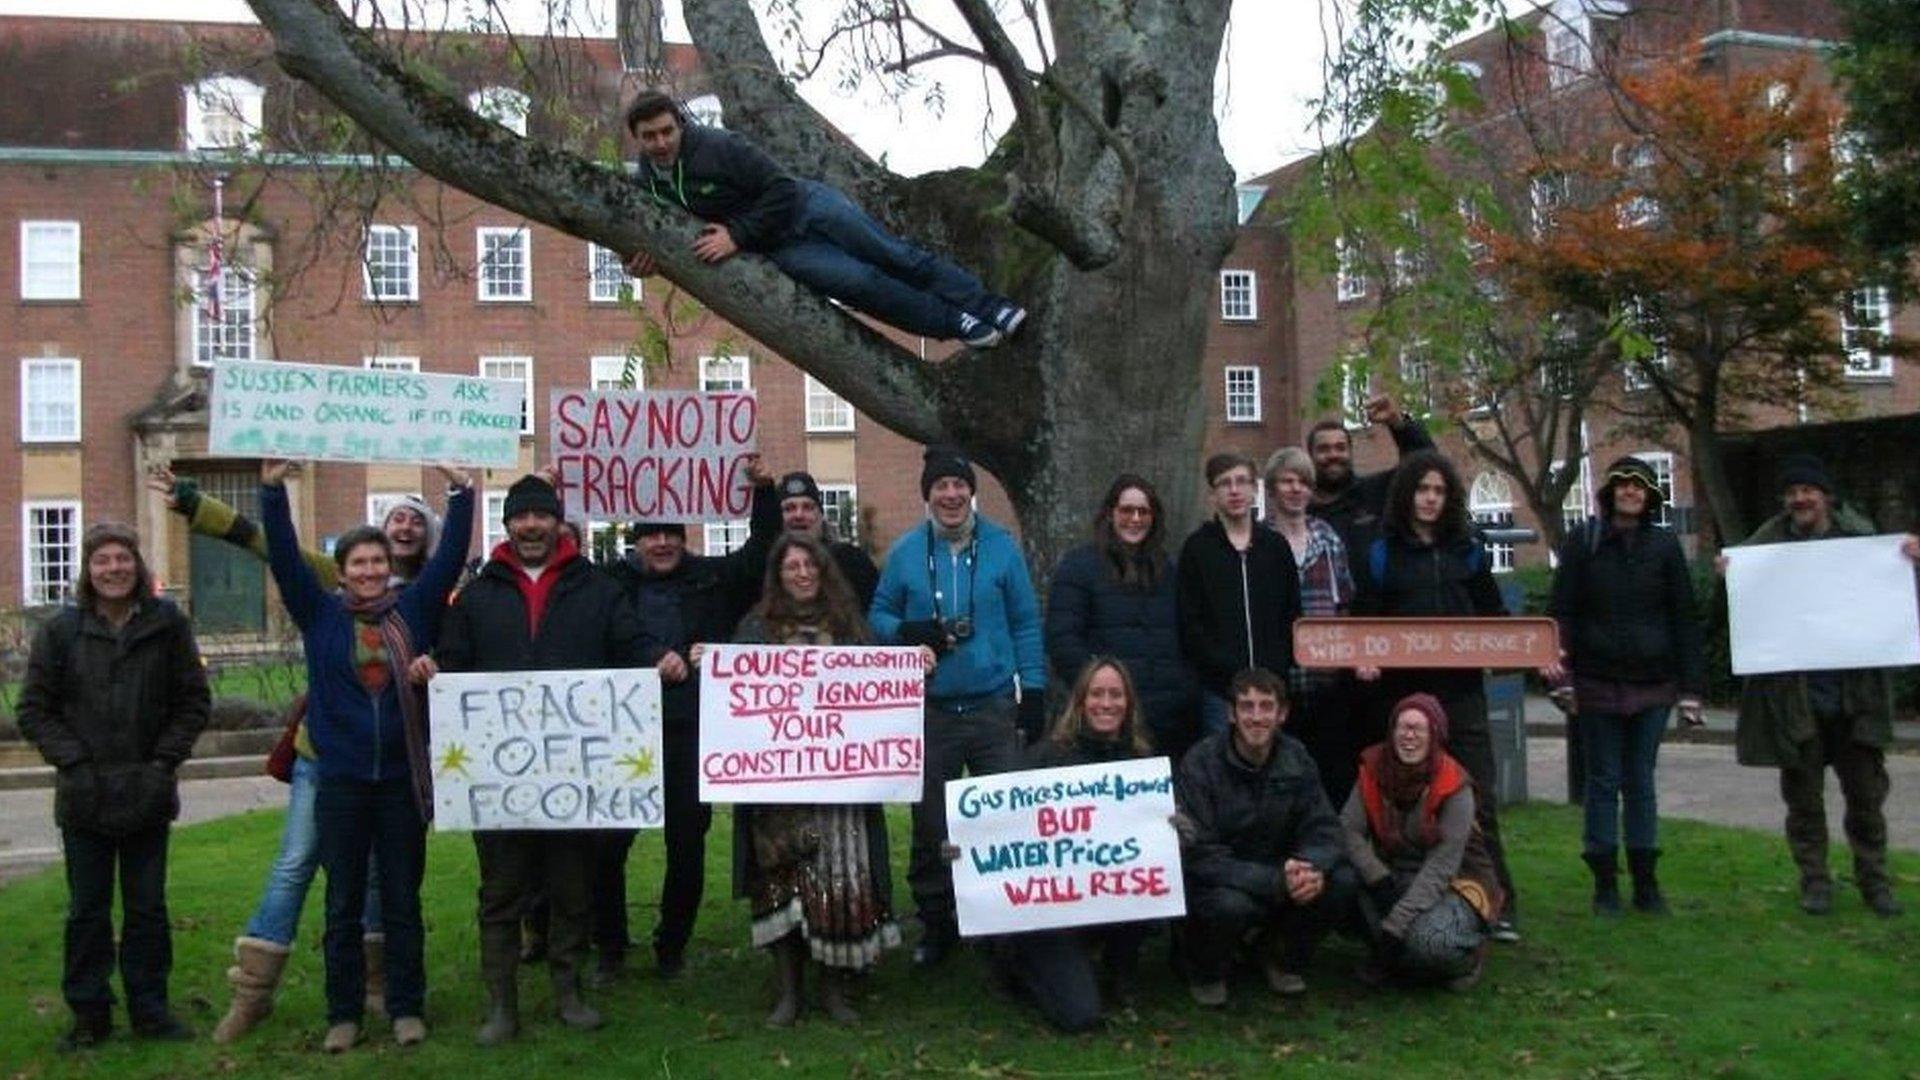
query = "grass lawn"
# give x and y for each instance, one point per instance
(1737, 983)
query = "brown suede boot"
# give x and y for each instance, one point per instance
(255, 975)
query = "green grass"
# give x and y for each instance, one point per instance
(271, 683)
(1737, 983)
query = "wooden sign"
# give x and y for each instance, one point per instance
(1473, 642)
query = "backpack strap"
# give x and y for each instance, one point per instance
(1377, 559)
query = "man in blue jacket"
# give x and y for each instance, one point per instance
(813, 232)
(959, 584)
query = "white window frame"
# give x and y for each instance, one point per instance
(622, 539)
(845, 524)
(1349, 277)
(1490, 503)
(1578, 505)
(1247, 396)
(827, 412)
(237, 104)
(1233, 308)
(602, 286)
(379, 288)
(605, 372)
(48, 275)
(1778, 100)
(60, 590)
(1636, 163)
(1246, 200)
(408, 364)
(724, 537)
(1661, 462)
(502, 105)
(489, 289)
(525, 376)
(1546, 195)
(236, 283)
(1567, 48)
(1470, 219)
(1416, 379)
(1353, 393)
(68, 432)
(1633, 374)
(707, 111)
(1866, 322)
(493, 527)
(710, 381)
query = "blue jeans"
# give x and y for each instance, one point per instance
(277, 919)
(377, 819)
(1621, 754)
(839, 251)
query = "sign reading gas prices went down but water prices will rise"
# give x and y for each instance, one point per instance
(319, 412)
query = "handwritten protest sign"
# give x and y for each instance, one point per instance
(1496, 642)
(1821, 605)
(271, 408)
(546, 750)
(1065, 847)
(673, 455)
(811, 724)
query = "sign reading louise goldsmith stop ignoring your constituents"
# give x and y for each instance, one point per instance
(811, 724)
(546, 750)
(322, 412)
(1065, 847)
(667, 455)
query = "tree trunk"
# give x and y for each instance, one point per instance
(1710, 480)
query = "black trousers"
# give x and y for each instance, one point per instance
(146, 943)
(980, 739)
(1220, 919)
(607, 876)
(687, 822)
(1056, 968)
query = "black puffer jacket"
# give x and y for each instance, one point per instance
(115, 712)
(1090, 612)
(1625, 607)
(1237, 608)
(1355, 512)
(587, 623)
(1247, 820)
(724, 178)
(1449, 579)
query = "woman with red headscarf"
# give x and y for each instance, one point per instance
(1431, 891)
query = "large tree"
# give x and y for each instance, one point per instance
(1107, 209)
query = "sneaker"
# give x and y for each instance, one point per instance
(1285, 983)
(1504, 932)
(978, 333)
(1008, 316)
(409, 1031)
(1210, 995)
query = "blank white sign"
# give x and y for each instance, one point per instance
(1822, 605)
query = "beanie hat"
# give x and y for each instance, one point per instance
(1428, 706)
(531, 495)
(99, 536)
(647, 528)
(418, 506)
(800, 485)
(942, 462)
(108, 532)
(1631, 468)
(1805, 469)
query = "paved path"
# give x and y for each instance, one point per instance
(1696, 781)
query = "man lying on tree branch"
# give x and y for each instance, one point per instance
(812, 232)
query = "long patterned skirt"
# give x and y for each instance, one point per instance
(812, 872)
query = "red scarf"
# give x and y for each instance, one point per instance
(1387, 788)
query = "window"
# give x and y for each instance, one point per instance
(1410, 260)
(513, 367)
(50, 550)
(1350, 279)
(1239, 299)
(381, 503)
(1661, 463)
(1416, 380)
(223, 113)
(1353, 392)
(724, 373)
(391, 267)
(610, 373)
(504, 106)
(1546, 193)
(223, 325)
(1243, 395)
(1568, 54)
(1575, 508)
(493, 529)
(410, 364)
(1637, 375)
(1865, 326)
(1246, 200)
(49, 400)
(506, 264)
(1491, 504)
(1636, 167)
(49, 260)
(607, 541)
(826, 410)
(609, 282)
(1472, 226)
(840, 505)
(724, 537)
(706, 109)
(1780, 100)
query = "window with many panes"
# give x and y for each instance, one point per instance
(223, 316)
(840, 505)
(1569, 56)
(503, 105)
(724, 373)
(610, 372)
(724, 537)
(1576, 507)
(49, 260)
(1239, 296)
(1350, 278)
(513, 367)
(223, 113)
(1865, 326)
(493, 527)
(1491, 504)
(1636, 163)
(1638, 373)
(1661, 462)
(1416, 379)
(826, 410)
(607, 541)
(390, 268)
(1243, 394)
(506, 263)
(609, 281)
(1353, 391)
(49, 400)
(50, 550)
(1546, 194)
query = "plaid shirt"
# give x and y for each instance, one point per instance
(1326, 587)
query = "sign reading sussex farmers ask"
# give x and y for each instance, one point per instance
(320, 412)
(666, 455)
(546, 750)
(1065, 847)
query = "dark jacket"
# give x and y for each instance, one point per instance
(1090, 612)
(1050, 753)
(358, 736)
(857, 567)
(115, 711)
(1355, 512)
(587, 622)
(1450, 579)
(1237, 608)
(1246, 821)
(722, 177)
(1624, 602)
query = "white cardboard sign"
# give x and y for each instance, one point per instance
(1822, 605)
(673, 455)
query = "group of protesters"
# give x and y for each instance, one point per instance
(1307, 800)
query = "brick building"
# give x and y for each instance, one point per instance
(112, 134)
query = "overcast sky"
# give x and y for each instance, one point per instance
(1271, 67)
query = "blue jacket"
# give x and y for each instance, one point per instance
(997, 595)
(358, 736)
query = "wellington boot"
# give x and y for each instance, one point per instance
(255, 975)
(789, 960)
(570, 1007)
(835, 996)
(1606, 882)
(503, 1015)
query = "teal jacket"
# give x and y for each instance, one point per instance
(997, 595)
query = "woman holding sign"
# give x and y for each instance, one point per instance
(817, 876)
